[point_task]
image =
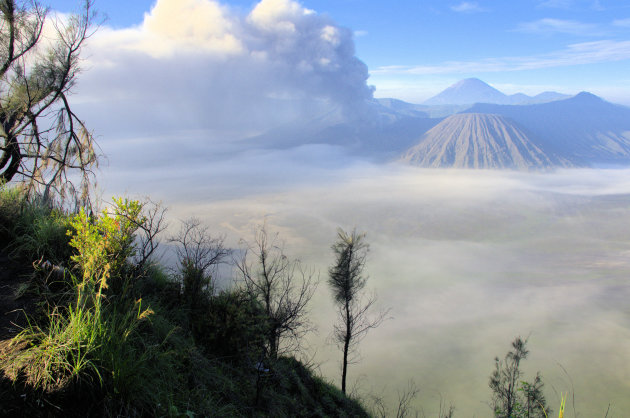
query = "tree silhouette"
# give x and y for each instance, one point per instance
(283, 286)
(511, 396)
(41, 138)
(347, 282)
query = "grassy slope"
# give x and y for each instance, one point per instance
(144, 352)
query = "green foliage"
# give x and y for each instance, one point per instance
(157, 345)
(59, 354)
(12, 199)
(511, 396)
(103, 245)
(48, 239)
(72, 346)
(196, 286)
(31, 229)
(346, 275)
(232, 327)
(292, 391)
(137, 363)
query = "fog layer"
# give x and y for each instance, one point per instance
(466, 260)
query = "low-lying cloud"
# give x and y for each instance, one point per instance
(467, 260)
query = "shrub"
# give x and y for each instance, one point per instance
(513, 397)
(65, 350)
(31, 229)
(232, 327)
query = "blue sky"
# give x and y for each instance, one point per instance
(413, 49)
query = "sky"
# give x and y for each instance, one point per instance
(414, 49)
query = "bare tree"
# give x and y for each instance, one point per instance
(283, 286)
(152, 225)
(446, 411)
(405, 397)
(347, 282)
(41, 138)
(378, 408)
(197, 252)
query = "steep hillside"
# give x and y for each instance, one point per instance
(117, 337)
(584, 129)
(473, 140)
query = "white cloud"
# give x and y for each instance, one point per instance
(467, 7)
(198, 64)
(574, 54)
(624, 23)
(190, 24)
(277, 15)
(549, 25)
(557, 4)
(572, 4)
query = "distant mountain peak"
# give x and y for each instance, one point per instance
(473, 90)
(470, 82)
(586, 96)
(468, 91)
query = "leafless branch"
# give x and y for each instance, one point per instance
(282, 285)
(152, 225)
(197, 248)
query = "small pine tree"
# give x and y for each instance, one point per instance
(347, 281)
(511, 396)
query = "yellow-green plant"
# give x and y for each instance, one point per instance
(562, 404)
(563, 400)
(66, 349)
(103, 245)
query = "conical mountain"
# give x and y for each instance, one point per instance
(473, 140)
(468, 91)
(472, 90)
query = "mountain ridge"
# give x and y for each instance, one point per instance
(474, 90)
(583, 130)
